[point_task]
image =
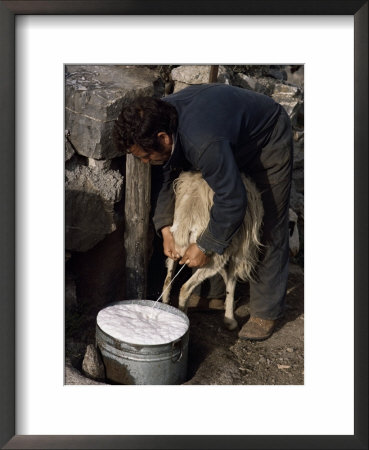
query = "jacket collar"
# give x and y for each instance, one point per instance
(177, 157)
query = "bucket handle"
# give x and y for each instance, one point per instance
(174, 347)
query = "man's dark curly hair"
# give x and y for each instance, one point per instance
(141, 120)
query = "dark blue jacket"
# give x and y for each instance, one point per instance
(220, 129)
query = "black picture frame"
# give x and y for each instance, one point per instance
(8, 10)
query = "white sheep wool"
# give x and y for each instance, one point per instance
(140, 324)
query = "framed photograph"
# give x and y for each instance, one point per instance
(38, 40)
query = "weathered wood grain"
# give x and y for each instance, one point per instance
(137, 209)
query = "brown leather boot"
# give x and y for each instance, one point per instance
(256, 329)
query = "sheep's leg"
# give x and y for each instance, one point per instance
(171, 265)
(230, 282)
(198, 277)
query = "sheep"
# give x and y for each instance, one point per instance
(194, 199)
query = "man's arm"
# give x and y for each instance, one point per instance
(220, 171)
(164, 209)
(164, 212)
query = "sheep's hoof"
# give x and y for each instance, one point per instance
(231, 324)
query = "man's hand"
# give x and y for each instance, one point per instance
(194, 257)
(169, 246)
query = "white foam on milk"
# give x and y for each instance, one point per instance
(140, 324)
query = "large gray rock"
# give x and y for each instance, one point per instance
(295, 75)
(184, 76)
(191, 74)
(262, 71)
(290, 97)
(90, 196)
(178, 86)
(263, 85)
(94, 96)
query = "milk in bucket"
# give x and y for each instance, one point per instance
(142, 325)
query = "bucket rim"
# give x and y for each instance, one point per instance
(164, 306)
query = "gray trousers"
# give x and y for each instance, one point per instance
(271, 170)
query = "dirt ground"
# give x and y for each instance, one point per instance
(216, 355)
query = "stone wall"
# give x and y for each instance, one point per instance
(94, 168)
(94, 181)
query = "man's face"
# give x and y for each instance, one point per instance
(154, 157)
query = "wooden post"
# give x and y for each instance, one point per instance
(137, 209)
(213, 76)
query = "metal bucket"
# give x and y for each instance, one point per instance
(127, 363)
